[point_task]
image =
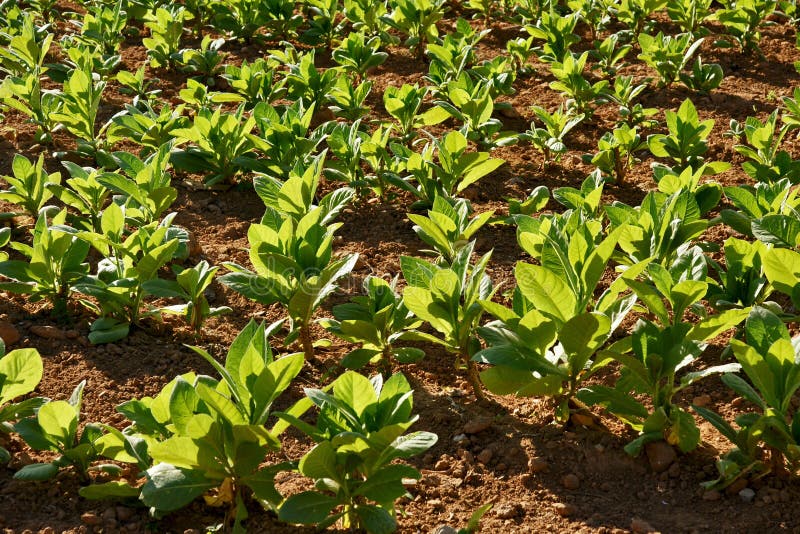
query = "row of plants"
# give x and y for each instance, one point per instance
(105, 236)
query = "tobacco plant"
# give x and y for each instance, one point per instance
(549, 139)
(378, 320)
(216, 438)
(448, 227)
(668, 55)
(686, 141)
(448, 298)
(657, 359)
(360, 430)
(294, 266)
(56, 261)
(28, 185)
(189, 285)
(20, 374)
(55, 428)
(767, 440)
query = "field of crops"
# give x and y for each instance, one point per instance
(399, 265)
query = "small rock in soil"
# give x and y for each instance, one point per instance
(571, 481)
(109, 513)
(747, 495)
(48, 332)
(479, 424)
(660, 454)
(8, 333)
(442, 465)
(91, 519)
(712, 495)
(640, 526)
(485, 456)
(701, 400)
(444, 529)
(538, 465)
(505, 511)
(565, 509)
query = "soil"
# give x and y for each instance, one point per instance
(539, 476)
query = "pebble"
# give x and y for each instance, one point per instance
(538, 465)
(640, 526)
(702, 400)
(444, 529)
(505, 511)
(477, 425)
(571, 481)
(91, 519)
(712, 495)
(485, 456)
(72, 334)
(674, 470)
(661, 455)
(48, 332)
(565, 509)
(442, 465)
(8, 333)
(459, 438)
(747, 495)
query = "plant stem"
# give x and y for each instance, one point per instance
(307, 343)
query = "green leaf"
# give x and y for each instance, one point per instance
(307, 508)
(386, 484)
(36, 472)
(376, 520)
(320, 462)
(20, 373)
(115, 489)
(170, 488)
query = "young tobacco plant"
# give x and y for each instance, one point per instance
(216, 435)
(256, 82)
(28, 185)
(766, 211)
(416, 19)
(145, 126)
(655, 362)
(570, 81)
(403, 104)
(220, 148)
(623, 93)
(668, 55)
(130, 258)
(166, 28)
(450, 172)
(448, 227)
(448, 298)
(361, 428)
(20, 374)
(189, 285)
(767, 440)
(378, 320)
(690, 14)
(54, 428)
(742, 282)
(204, 63)
(549, 138)
(703, 78)
(84, 193)
(608, 54)
(294, 266)
(142, 186)
(686, 141)
(56, 262)
(742, 20)
(557, 32)
(658, 228)
(80, 100)
(546, 343)
(766, 162)
(616, 152)
(357, 54)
